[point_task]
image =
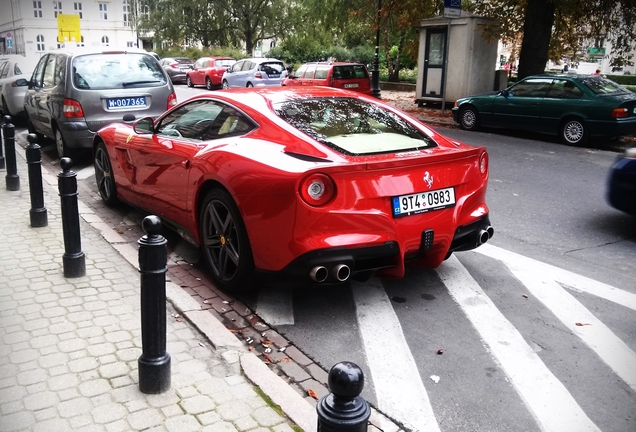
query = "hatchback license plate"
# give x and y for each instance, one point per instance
(126, 102)
(407, 205)
(355, 85)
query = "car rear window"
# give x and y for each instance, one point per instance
(224, 63)
(350, 72)
(601, 86)
(113, 71)
(352, 126)
(272, 68)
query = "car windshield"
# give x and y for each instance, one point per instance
(352, 126)
(224, 63)
(601, 86)
(112, 71)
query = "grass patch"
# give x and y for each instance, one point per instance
(276, 408)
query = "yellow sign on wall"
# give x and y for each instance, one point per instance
(68, 28)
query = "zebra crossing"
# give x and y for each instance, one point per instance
(400, 389)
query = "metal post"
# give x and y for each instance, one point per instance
(73, 259)
(12, 177)
(343, 410)
(375, 72)
(38, 212)
(1, 151)
(154, 362)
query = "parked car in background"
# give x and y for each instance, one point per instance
(254, 72)
(621, 188)
(73, 93)
(208, 71)
(15, 71)
(350, 76)
(574, 107)
(176, 68)
(310, 184)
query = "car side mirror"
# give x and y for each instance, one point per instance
(505, 93)
(144, 126)
(21, 82)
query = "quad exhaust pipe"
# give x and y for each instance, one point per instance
(339, 272)
(485, 235)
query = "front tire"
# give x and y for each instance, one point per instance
(225, 85)
(574, 132)
(208, 83)
(469, 119)
(249, 85)
(225, 243)
(189, 81)
(104, 176)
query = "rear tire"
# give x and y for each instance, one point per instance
(574, 132)
(249, 85)
(104, 176)
(63, 150)
(189, 81)
(225, 244)
(469, 119)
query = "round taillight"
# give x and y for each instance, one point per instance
(317, 189)
(483, 163)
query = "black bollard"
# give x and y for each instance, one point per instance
(154, 362)
(1, 151)
(38, 212)
(12, 177)
(343, 410)
(73, 259)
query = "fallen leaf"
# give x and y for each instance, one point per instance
(266, 342)
(268, 357)
(582, 324)
(440, 351)
(312, 393)
(285, 360)
(435, 378)
(119, 231)
(253, 320)
(250, 348)
(235, 330)
(524, 295)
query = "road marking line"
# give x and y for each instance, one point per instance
(275, 306)
(610, 348)
(552, 406)
(572, 280)
(399, 388)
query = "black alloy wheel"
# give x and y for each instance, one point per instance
(225, 244)
(104, 176)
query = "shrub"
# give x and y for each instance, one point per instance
(623, 80)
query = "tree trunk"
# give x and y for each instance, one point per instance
(537, 31)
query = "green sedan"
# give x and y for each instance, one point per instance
(574, 107)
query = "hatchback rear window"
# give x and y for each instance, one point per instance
(224, 63)
(352, 126)
(114, 71)
(350, 72)
(272, 68)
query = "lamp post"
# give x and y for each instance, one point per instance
(375, 72)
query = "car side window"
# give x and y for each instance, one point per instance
(562, 89)
(48, 79)
(309, 74)
(248, 65)
(531, 88)
(321, 72)
(60, 70)
(237, 66)
(4, 69)
(39, 70)
(301, 70)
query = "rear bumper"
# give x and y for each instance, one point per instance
(386, 257)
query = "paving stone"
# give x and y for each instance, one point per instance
(197, 404)
(183, 423)
(220, 427)
(145, 419)
(266, 416)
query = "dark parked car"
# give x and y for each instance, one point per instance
(75, 92)
(176, 68)
(350, 76)
(574, 107)
(621, 189)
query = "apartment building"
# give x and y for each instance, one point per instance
(30, 27)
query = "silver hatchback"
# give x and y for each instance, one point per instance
(254, 72)
(74, 93)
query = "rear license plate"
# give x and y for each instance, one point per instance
(273, 75)
(407, 205)
(355, 85)
(126, 102)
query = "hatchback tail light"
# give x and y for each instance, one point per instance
(172, 100)
(620, 112)
(317, 189)
(258, 75)
(72, 109)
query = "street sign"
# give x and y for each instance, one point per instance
(68, 28)
(452, 8)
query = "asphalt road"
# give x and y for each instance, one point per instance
(534, 331)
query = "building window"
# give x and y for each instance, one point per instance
(37, 9)
(145, 10)
(57, 8)
(40, 43)
(78, 9)
(103, 11)
(126, 7)
(105, 41)
(131, 44)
